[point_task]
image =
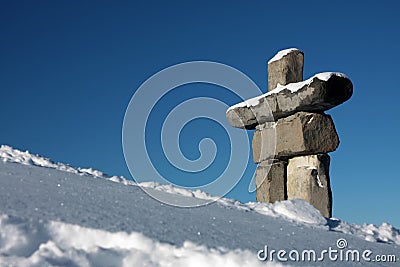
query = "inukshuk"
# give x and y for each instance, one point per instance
(304, 134)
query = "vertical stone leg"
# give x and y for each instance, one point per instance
(308, 179)
(285, 67)
(271, 181)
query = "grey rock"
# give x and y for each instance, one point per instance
(285, 69)
(314, 95)
(302, 133)
(308, 179)
(271, 181)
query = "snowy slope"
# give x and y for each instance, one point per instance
(52, 214)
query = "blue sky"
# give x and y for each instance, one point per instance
(69, 69)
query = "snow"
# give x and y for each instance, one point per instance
(385, 233)
(296, 210)
(292, 87)
(178, 191)
(52, 214)
(242, 105)
(319, 182)
(281, 54)
(61, 244)
(324, 76)
(8, 154)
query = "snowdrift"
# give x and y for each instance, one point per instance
(57, 215)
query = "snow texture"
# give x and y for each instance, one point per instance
(8, 154)
(52, 214)
(61, 244)
(281, 54)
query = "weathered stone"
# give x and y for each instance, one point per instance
(285, 67)
(302, 133)
(308, 179)
(319, 93)
(271, 181)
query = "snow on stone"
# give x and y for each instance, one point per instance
(239, 105)
(324, 76)
(281, 54)
(319, 182)
(292, 87)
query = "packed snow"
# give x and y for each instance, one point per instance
(61, 244)
(52, 214)
(281, 54)
(8, 154)
(292, 87)
(324, 76)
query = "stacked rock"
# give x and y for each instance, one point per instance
(292, 133)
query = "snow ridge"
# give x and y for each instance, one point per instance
(9, 154)
(281, 54)
(292, 87)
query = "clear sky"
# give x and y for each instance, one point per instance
(68, 70)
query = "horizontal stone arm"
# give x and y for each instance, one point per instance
(319, 93)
